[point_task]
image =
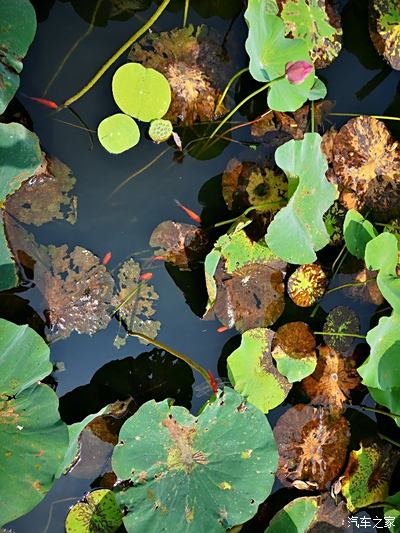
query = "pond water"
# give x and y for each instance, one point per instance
(122, 221)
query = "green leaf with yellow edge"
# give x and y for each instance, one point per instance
(187, 473)
(140, 92)
(295, 517)
(303, 216)
(357, 233)
(97, 513)
(118, 133)
(269, 51)
(252, 372)
(367, 475)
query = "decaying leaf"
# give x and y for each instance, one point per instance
(98, 511)
(184, 245)
(194, 64)
(332, 381)
(334, 219)
(312, 446)
(134, 302)
(368, 292)
(384, 28)
(318, 23)
(77, 287)
(307, 285)
(293, 349)
(45, 195)
(246, 184)
(366, 165)
(244, 283)
(341, 320)
(367, 475)
(252, 372)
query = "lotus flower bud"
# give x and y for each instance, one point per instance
(297, 71)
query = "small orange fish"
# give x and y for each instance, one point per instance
(146, 276)
(106, 258)
(213, 383)
(222, 329)
(44, 101)
(191, 214)
(157, 258)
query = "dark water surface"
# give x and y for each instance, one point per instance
(122, 223)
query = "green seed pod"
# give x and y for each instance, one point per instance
(160, 130)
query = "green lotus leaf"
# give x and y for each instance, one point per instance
(20, 156)
(390, 398)
(140, 92)
(33, 439)
(366, 478)
(295, 517)
(392, 516)
(357, 233)
(17, 30)
(269, 51)
(118, 133)
(97, 513)
(385, 29)
(252, 372)
(318, 91)
(302, 160)
(317, 24)
(187, 473)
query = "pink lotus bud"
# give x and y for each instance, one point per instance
(297, 71)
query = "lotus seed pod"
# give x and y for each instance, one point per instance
(160, 130)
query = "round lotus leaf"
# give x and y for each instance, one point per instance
(118, 133)
(341, 319)
(33, 439)
(141, 92)
(97, 513)
(307, 285)
(17, 30)
(187, 473)
(384, 27)
(160, 130)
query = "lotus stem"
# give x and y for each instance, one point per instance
(379, 411)
(247, 211)
(179, 355)
(338, 334)
(117, 54)
(228, 86)
(382, 117)
(345, 285)
(185, 12)
(312, 117)
(394, 442)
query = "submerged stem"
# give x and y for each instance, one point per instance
(228, 86)
(338, 334)
(179, 355)
(394, 442)
(117, 54)
(382, 117)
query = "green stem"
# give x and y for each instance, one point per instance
(338, 334)
(388, 225)
(179, 355)
(240, 104)
(394, 442)
(383, 117)
(185, 12)
(117, 54)
(379, 411)
(228, 86)
(312, 117)
(247, 211)
(345, 285)
(127, 299)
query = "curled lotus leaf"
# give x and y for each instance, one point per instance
(244, 282)
(252, 372)
(367, 475)
(341, 319)
(312, 446)
(184, 245)
(307, 285)
(316, 22)
(357, 233)
(293, 349)
(33, 439)
(195, 67)
(45, 195)
(333, 380)
(98, 511)
(384, 29)
(186, 473)
(366, 162)
(134, 302)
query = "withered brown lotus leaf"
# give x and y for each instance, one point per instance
(135, 302)
(296, 339)
(312, 446)
(45, 196)
(384, 28)
(184, 245)
(366, 161)
(332, 381)
(331, 516)
(341, 319)
(194, 64)
(307, 285)
(369, 291)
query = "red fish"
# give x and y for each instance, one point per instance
(106, 258)
(213, 383)
(222, 329)
(44, 101)
(146, 276)
(191, 214)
